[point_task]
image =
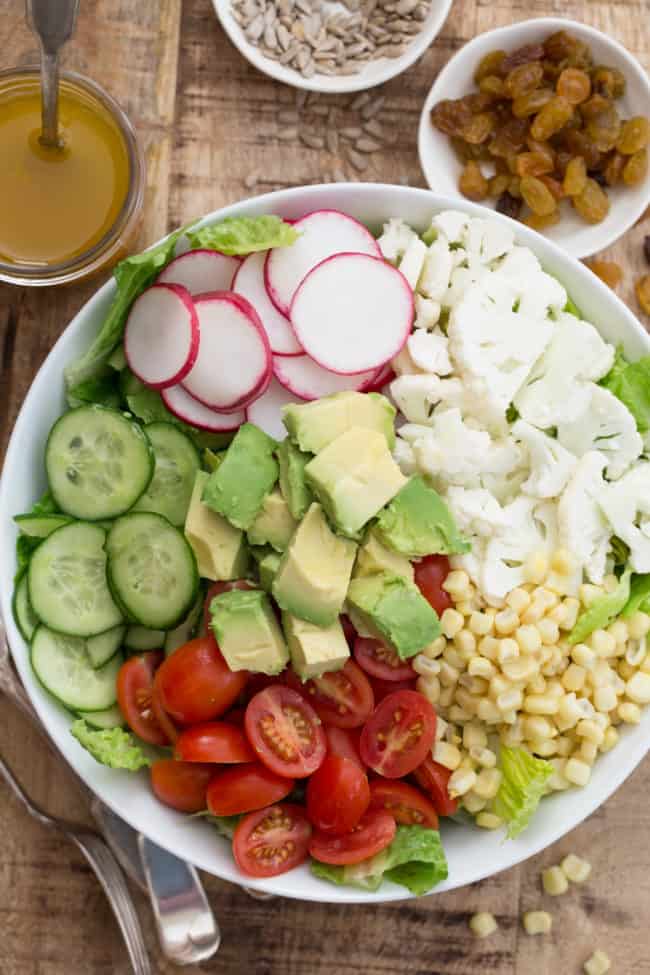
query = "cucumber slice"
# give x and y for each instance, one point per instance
(25, 617)
(110, 718)
(185, 630)
(98, 463)
(62, 666)
(67, 581)
(151, 570)
(101, 648)
(177, 461)
(40, 526)
(141, 638)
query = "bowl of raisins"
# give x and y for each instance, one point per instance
(546, 122)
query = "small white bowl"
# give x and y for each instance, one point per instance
(373, 74)
(441, 167)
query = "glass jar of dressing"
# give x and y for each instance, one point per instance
(70, 211)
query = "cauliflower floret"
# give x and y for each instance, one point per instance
(438, 265)
(395, 239)
(427, 312)
(551, 464)
(403, 365)
(463, 279)
(556, 389)
(429, 351)
(471, 562)
(607, 425)
(520, 263)
(404, 457)
(411, 394)
(451, 223)
(412, 261)
(583, 529)
(487, 240)
(543, 295)
(530, 527)
(627, 507)
(475, 510)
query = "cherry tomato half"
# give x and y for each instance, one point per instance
(134, 692)
(342, 698)
(430, 573)
(381, 661)
(434, 779)
(244, 788)
(382, 688)
(213, 741)
(196, 684)
(399, 734)
(272, 840)
(348, 629)
(405, 803)
(285, 732)
(344, 742)
(181, 785)
(169, 728)
(235, 716)
(373, 833)
(337, 795)
(215, 590)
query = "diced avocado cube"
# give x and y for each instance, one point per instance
(274, 524)
(394, 611)
(314, 425)
(220, 549)
(238, 487)
(417, 522)
(374, 557)
(354, 477)
(247, 631)
(268, 561)
(293, 485)
(314, 650)
(314, 573)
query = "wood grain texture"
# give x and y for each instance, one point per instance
(209, 124)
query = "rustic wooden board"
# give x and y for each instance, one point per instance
(209, 125)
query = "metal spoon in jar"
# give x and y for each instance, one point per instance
(53, 22)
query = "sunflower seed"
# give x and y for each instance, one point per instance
(270, 38)
(351, 132)
(394, 50)
(252, 179)
(312, 141)
(359, 161)
(298, 30)
(287, 117)
(283, 36)
(303, 58)
(364, 144)
(373, 127)
(288, 55)
(372, 108)
(420, 12)
(288, 135)
(301, 99)
(332, 141)
(339, 175)
(304, 6)
(255, 29)
(309, 70)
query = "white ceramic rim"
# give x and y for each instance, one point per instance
(373, 74)
(482, 853)
(502, 37)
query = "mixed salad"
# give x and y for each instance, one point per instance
(344, 535)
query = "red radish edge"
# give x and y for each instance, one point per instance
(188, 409)
(283, 366)
(166, 275)
(273, 309)
(152, 347)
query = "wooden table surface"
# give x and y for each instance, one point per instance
(209, 125)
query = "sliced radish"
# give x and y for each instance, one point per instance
(304, 377)
(382, 378)
(322, 233)
(234, 363)
(200, 271)
(266, 412)
(249, 282)
(161, 336)
(179, 402)
(352, 312)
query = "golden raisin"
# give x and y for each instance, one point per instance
(575, 176)
(635, 135)
(514, 187)
(541, 147)
(613, 170)
(449, 116)
(608, 81)
(642, 288)
(489, 64)
(553, 185)
(538, 196)
(509, 205)
(579, 145)
(636, 168)
(560, 45)
(498, 184)
(604, 129)
(533, 164)
(562, 160)
(529, 52)
(574, 85)
(476, 101)
(472, 182)
(595, 106)
(531, 103)
(478, 128)
(592, 204)
(523, 79)
(509, 138)
(540, 222)
(608, 271)
(552, 117)
(492, 85)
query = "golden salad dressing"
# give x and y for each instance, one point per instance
(57, 203)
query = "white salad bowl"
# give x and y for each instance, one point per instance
(472, 853)
(442, 169)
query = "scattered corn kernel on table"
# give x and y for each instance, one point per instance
(214, 131)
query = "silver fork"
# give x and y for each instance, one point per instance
(103, 864)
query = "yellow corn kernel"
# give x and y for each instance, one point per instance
(554, 881)
(488, 646)
(625, 670)
(460, 782)
(536, 568)
(457, 581)
(483, 924)
(467, 763)
(474, 736)
(451, 621)
(473, 803)
(589, 594)
(638, 625)
(441, 727)
(520, 668)
(537, 685)
(447, 696)
(577, 771)
(498, 684)
(618, 629)
(587, 752)
(465, 607)
(480, 667)
(544, 748)
(605, 698)
(483, 756)
(448, 675)
(506, 621)
(533, 614)
(549, 631)
(488, 711)
(584, 656)
(598, 964)
(590, 731)
(610, 582)
(564, 746)
(629, 713)
(518, 600)
(575, 868)
(610, 739)
(425, 666)
(528, 638)
(541, 704)
(537, 922)
(638, 687)
(513, 736)
(510, 700)
(452, 735)
(562, 562)
(554, 687)
(453, 657)
(537, 728)
(488, 820)
(435, 648)
(487, 783)
(601, 675)
(479, 623)
(558, 614)
(645, 665)
(475, 685)
(459, 714)
(508, 650)
(430, 687)
(572, 607)
(465, 641)
(573, 678)
(446, 754)
(602, 643)
(557, 781)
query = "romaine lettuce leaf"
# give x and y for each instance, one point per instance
(25, 544)
(244, 235)
(102, 389)
(113, 747)
(572, 308)
(224, 825)
(630, 382)
(522, 786)
(415, 860)
(147, 405)
(602, 611)
(639, 596)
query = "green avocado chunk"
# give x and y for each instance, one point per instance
(274, 524)
(315, 650)
(314, 425)
(268, 561)
(417, 522)
(238, 487)
(393, 611)
(220, 549)
(248, 632)
(354, 477)
(315, 570)
(293, 485)
(374, 557)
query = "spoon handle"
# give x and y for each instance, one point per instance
(53, 22)
(49, 98)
